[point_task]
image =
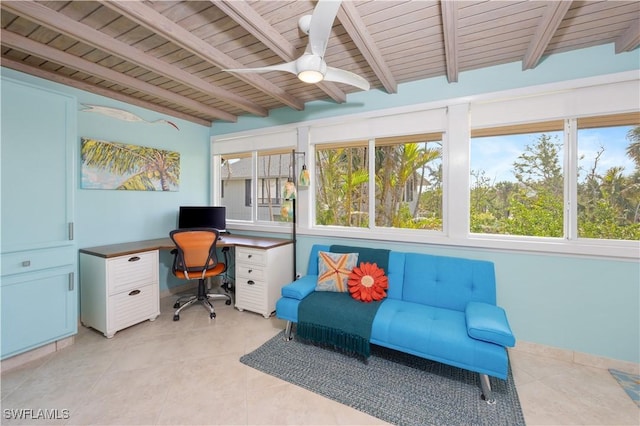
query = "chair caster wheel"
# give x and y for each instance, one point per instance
(176, 305)
(212, 315)
(176, 317)
(228, 302)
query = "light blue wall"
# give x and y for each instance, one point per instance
(582, 304)
(111, 216)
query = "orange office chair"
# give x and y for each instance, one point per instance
(196, 259)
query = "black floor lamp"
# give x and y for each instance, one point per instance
(291, 194)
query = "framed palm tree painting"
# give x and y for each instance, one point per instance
(113, 165)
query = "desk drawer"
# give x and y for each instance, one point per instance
(250, 256)
(251, 296)
(132, 307)
(131, 271)
(249, 272)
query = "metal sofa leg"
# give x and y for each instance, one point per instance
(486, 389)
(287, 331)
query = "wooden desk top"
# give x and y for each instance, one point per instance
(123, 249)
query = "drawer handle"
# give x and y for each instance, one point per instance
(251, 282)
(250, 270)
(134, 292)
(26, 263)
(134, 259)
(249, 256)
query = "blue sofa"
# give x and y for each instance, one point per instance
(439, 308)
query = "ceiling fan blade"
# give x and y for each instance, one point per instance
(287, 66)
(347, 77)
(321, 23)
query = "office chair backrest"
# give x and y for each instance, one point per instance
(196, 250)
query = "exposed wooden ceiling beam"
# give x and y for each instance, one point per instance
(26, 45)
(449, 10)
(547, 27)
(256, 25)
(82, 85)
(357, 30)
(74, 29)
(158, 23)
(630, 39)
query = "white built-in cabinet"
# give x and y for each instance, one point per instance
(38, 252)
(260, 276)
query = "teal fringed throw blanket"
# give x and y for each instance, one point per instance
(336, 320)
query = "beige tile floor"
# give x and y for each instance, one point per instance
(187, 372)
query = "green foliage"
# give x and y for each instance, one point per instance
(408, 192)
(608, 204)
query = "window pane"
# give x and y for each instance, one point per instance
(609, 177)
(409, 182)
(342, 188)
(236, 186)
(273, 170)
(517, 181)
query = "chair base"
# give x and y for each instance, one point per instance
(203, 297)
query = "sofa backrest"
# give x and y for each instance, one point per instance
(447, 282)
(312, 266)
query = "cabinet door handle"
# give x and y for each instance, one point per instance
(71, 281)
(249, 256)
(250, 270)
(251, 282)
(134, 259)
(134, 292)
(26, 263)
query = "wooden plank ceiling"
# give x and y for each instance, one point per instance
(168, 56)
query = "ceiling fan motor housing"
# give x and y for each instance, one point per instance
(311, 68)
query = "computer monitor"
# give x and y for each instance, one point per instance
(203, 217)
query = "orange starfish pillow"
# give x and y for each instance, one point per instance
(334, 270)
(367, 282)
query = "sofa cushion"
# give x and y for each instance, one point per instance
(365, 254)
(367, 282)
(447, 282)
(334, 270)
(435, 333)
(489, 323)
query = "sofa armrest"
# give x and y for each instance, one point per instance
(489, 323)
(301, 288)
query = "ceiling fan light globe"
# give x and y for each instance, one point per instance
(310, 76)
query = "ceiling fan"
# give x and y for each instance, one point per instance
(311, 66)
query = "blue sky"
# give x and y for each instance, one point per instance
(496, 155)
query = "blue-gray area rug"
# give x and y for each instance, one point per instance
(395, 387)
(629, 382)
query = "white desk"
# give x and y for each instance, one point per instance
(119, 284)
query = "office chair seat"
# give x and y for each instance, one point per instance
(196, 259)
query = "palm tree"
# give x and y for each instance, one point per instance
(146, 166)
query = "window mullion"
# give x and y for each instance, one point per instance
(570, 179)
(372, 183)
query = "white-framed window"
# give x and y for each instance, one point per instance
(608, 186)
(406, 172)
(557, 124)
(517, 180)
(253, 175)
